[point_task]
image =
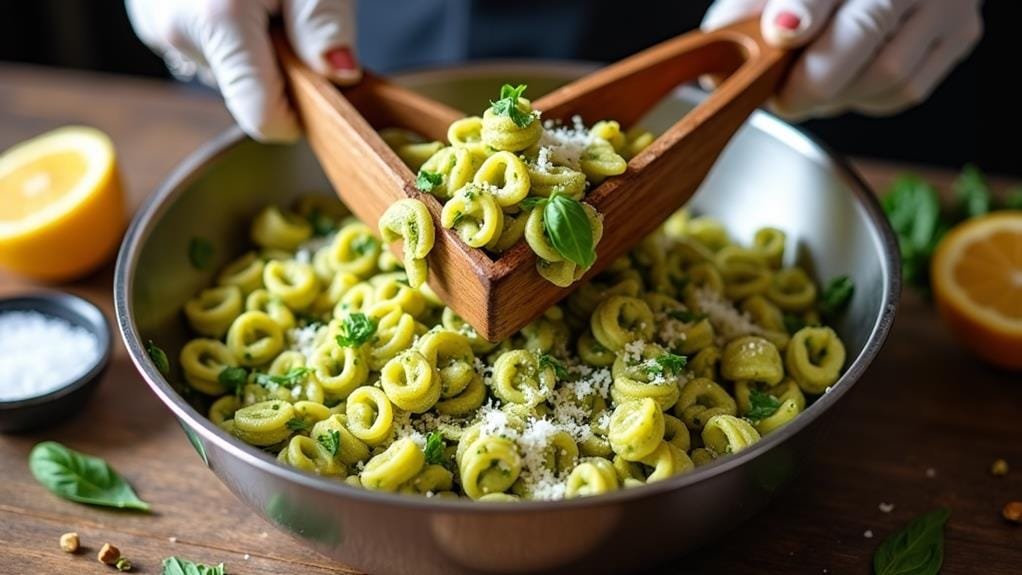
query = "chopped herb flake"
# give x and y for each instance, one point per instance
(763, 405)
(427, 181)
(836, 296)
(331, 441)
(159, 357)
(200, 253)
(434, 449)
(546, 360)
(356, 329)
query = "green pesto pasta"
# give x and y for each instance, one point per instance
(333, 358)
(504, 170)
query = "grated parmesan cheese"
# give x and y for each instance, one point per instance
(303, 339)
(566, 144)
(728, 323)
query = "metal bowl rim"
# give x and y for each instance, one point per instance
(191, 167)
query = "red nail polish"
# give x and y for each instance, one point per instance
(341, 59)
(787, 21)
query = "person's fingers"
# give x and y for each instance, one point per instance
(900, 58)
(937, 64)
(794, 23)
(725, 12)
(838, 55)
(323, 35)
(236, 45)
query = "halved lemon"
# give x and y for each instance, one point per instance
(61, 205)
(977, 284)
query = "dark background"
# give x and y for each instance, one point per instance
(966, 120)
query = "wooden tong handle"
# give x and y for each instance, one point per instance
(626, 90)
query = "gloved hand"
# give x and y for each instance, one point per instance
(871, 56)
(227, 44)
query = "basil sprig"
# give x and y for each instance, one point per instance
(507, 105)
(918, 549)
(356, 329)
(79, 477)
(178, 566)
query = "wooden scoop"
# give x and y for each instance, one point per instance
(499, 296)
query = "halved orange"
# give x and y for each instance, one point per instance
(61, 205)
(977, 284)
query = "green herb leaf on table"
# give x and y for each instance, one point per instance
(79, 477)
(294, 376)
(434, 449)
(159, 357)
(331, 441)
(547, 360)
(507, 105)
(356, 329)
(918, 549)
(200, 252)
(567, 226)
(972, 192)
(836, 296)
(428, 181)
(233, 379)
(178, 566)
(913, 208)
(763, 405)
(667, 364)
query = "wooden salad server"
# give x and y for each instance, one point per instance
(500, 296)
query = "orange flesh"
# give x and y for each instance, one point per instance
(990, 273)
(32, 187)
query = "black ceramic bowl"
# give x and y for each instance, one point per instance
(46, 409)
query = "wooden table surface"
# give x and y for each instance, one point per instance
(920, 430)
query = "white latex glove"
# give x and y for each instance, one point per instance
(227, 44)
(871, 56)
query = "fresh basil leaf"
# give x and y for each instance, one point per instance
(567, 226)
(331, 441)
(547, 360)
(913, 208)
(200, 252)
(428, 181)
(763, 405)
(434, 449)
(972, 192)
(918, 549)
(836, 296)
(356, 329)
(507, 105)
(79, 477)
(178, 566)
(233, 379)
(159, 357)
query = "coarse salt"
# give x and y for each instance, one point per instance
(41, 353)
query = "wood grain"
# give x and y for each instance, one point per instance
(924, 404)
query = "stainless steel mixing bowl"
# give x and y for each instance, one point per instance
(771, 174)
